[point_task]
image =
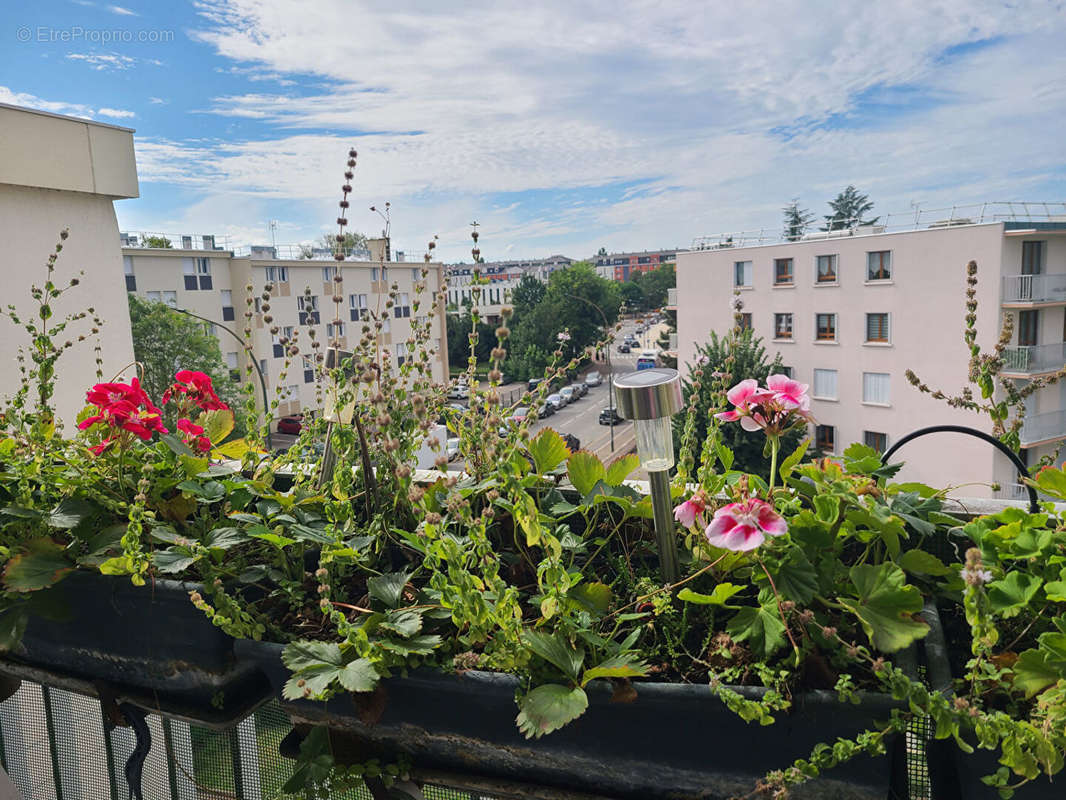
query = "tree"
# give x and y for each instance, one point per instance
(459, 329)
(750, 361)
(165, 341)
(632, 295)
(157, 241)
(352, 242)
(848, 210)
(527, 294)
(601, 252)
(797, 220)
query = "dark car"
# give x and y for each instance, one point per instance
(610, 416)
(623, 347)
(573, 444)
(546, 410)
(293, 424)
(534, 383)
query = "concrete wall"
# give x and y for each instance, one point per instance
(926, 306)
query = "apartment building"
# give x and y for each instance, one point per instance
(619, 266)
(211, 283)
(850, 311)
(502, 276)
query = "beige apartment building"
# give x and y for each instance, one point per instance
(851, 311)
(211, 283)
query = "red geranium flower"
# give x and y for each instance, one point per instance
(125, 407)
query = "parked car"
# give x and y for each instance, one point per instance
(610, 416)
(293, 424)
(534, 384)
(567, 393)
(573, 444)
(580, 389)
(557, 401)
(546, 410)
(451, 448)
(519, 415)
(593, 379)
(624, 347)
(459, 391)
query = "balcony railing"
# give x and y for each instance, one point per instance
(1035, 359)
(1034, 288)
(1044, 427)
(671, 297)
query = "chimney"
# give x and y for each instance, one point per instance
(379, 249)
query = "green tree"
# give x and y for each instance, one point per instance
(157, 241)
(632, 295)
(601, 252)
(848, 210)
(750, 361)
(459, 329)
(165, 341)
(797, 220)
(352, 241)
(654, 285)
(527, 294)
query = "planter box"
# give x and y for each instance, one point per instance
(144, 644)
(674, 741)
(956, 775)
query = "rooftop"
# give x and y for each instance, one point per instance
(1015, 214)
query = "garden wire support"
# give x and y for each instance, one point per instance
(1034, 503)
(134, 769)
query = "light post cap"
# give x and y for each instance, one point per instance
(649, 393)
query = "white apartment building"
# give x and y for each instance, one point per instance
(211, 283)
(503, 277)
(851, 311)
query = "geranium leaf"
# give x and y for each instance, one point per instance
(594, 596)
(795, 457)
(548, 708)
(1033, 673)
(1011, 594)
(584, 470)
(761, 626)
(621, 468)
(548, 450)
(796, 578)
(922, 563)
(43, 564)
(387, 588)
(721, 594)
(885, 606)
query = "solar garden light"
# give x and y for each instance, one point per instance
(334, 414)
(650, 397)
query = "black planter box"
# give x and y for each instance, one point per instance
(674, 741)
(956, 775)
(147, 645)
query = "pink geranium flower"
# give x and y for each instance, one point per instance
(775, 409)
(745, 525)
(691, 511)
(790, 393)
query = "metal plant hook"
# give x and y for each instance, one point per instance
(134, 769)
(1034, 503)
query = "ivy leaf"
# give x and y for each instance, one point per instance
(920, 562)
(585, 469)
(621, 468)
(594, 596)
(548, 450)
(387, 588)
(885, 605)
(762, 626)
(619, 666)
(554, 649)
(722, 592)
(43, 564)
(1011, 594)
(548, 708)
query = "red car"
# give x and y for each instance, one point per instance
(293, 424)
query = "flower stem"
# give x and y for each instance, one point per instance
(775, 443)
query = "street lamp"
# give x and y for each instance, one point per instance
(610, 382)
(650, 397)
(255, 363)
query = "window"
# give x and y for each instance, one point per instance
(1032, 258)
(188, 269)
(745, 322)
(1028, 322)
(171, 299)
(231, 360)
(825, 437)
(878, 441)
(127, 267)
(644, 260)
(203, 271)
(375, 272)
(782, 326)
(825, 384)
(228, 314)
(308, 306)
(414, 273)
(155, 297)
(401, 350)
(875, 388)
(782, 272)
(292, 391)
(742, 274)
(357, 309)
(277, 274)
(826, 267)
(786, 371)
(826, 325)
(386, 325)
(334, 329)
(280, 340)
(403, 305)
(879, 265)
(877, 327)
(309, 369)
(329, 273)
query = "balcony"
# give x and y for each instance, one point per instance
(1031, 290)
(1034, 360)
(1040, 428)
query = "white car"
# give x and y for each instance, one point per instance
(593, 379)
(557, 401)
(459, 391)
(451, 448)
(567, 393)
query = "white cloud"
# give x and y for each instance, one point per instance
(717, 114)
(115, 112)
(158, 101)
(122, 12)
(26, 100)
(104, 61)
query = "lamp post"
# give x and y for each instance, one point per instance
(650, 397)
(610, 374)
(255, 363)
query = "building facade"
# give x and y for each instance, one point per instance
(620, 266)
(502, 276)
(212, 284)
(850, 312)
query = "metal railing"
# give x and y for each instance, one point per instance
(1035, 358)
(671, 296)
(299, 252)
(1044, 427)
(1049, 288)
(896, 222)
(173, 241)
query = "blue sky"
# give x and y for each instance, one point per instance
(559, 126)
